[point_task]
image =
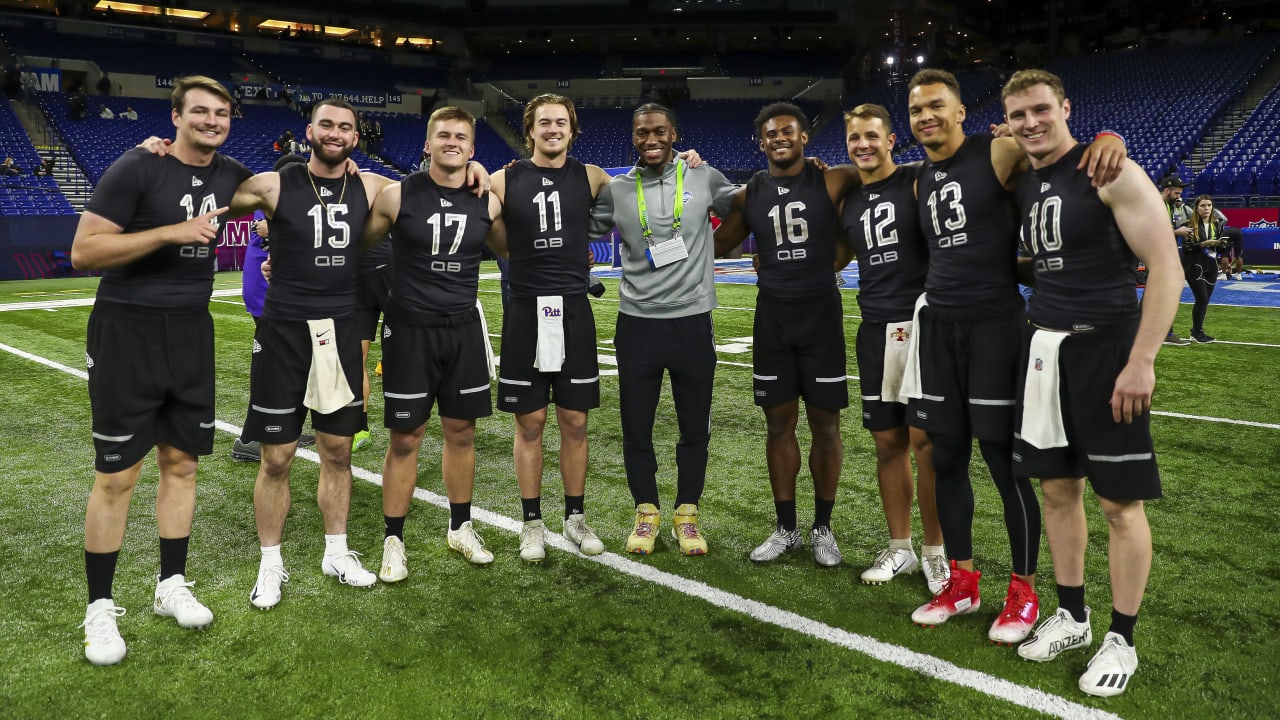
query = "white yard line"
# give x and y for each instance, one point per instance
(926, 665)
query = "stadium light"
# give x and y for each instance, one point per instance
(889, 61)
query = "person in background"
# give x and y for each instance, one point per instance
(1199, 261)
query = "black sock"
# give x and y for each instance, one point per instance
(1071, 599)
(786, 511)
(364, 421)
(173, 556)
(100, 570)
(458, 514)
(531, 508)
(393, 526)
(822, 512)
(1122, 625)
(574, 505)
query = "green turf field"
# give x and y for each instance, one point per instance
(656, 637)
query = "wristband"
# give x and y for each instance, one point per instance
(1112, 133)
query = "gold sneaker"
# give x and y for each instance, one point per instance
(684, 528)
(641, 539)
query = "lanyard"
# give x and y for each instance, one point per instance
(644, 213)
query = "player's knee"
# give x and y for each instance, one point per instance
(1123, 514)
(115, 484)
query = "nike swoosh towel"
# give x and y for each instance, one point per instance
(327, 388)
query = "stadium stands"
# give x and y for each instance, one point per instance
(25, 194)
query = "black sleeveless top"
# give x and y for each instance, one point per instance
(546, 211)
(881, 224)
(796, 228)
(437, 243)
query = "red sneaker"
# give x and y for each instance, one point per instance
(1021, 610)
(958, 597)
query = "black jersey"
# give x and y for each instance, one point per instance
(315, 241)
(1084, 269)
(882, 226)
(968, 221)
(377, 258)
(796, 227)
(142, 191)
(438, 240)
(546, 211)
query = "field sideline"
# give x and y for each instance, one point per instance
(617, 636)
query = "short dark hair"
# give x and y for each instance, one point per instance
(653, 107)
(178, 99)
(934, 76)
(334, 102)
(780, 109)
(287, 159)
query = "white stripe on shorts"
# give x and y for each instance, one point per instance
(476, 389)
(764, 377)
(584, 381)
(870, 397)
(274, 411)
(842, 378)
(1120, 458)
(404, 396)
(522, 383)
(206, 426)
(992, 403)
(112, 438)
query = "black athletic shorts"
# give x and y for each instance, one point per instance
(799, 351)
(278, 382)
(877, 413)
(151, 380)
(969, 369)
(428, 360)
(373, 293)
(1118, 459)
(521, 387)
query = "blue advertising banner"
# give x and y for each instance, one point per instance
(355, 97)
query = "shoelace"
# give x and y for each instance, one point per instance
(530, 533)
(883, 558)
(278, 570)
(937, 565)
(1019, 598)
(96, 627)
(179, 596)
(472, 540)
(581, 529)
(689, 530)
(645, 529)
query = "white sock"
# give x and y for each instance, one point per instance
(933, 550)
(900, 544)
(335, 545)
(271, 555)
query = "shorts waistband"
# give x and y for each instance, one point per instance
(119, 309)
(419, 318)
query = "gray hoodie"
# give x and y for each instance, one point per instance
(680, 289)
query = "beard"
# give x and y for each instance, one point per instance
(330, 157)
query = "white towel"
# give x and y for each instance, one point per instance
(1041, 403)
(549, 354)
(911, 386)
(897, 344)
(327, 388)
(488, 346)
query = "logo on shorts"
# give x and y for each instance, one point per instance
(273, 428)
(900, 334)
(1017, 457)
(1039, 365)
(402, 415)
(88, 360)
(386, 330)
(922, 415)
(761, 393)
(866, 416)
(256, 347)
(510, 399)
(113, 457)
(548, 311)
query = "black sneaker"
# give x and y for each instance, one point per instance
(1201, 337)
(246, 451)
(1173, 339)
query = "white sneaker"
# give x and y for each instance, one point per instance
(579, 533)
(266, 591)
(889, 564)
(779, 542)
(347, 568)
(1060, 632)
(825, 551)
(394, 566)
(936, 571)
(102, 642)
(532, 541)
(174, 599)
(466, 541)
(1111, 669)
